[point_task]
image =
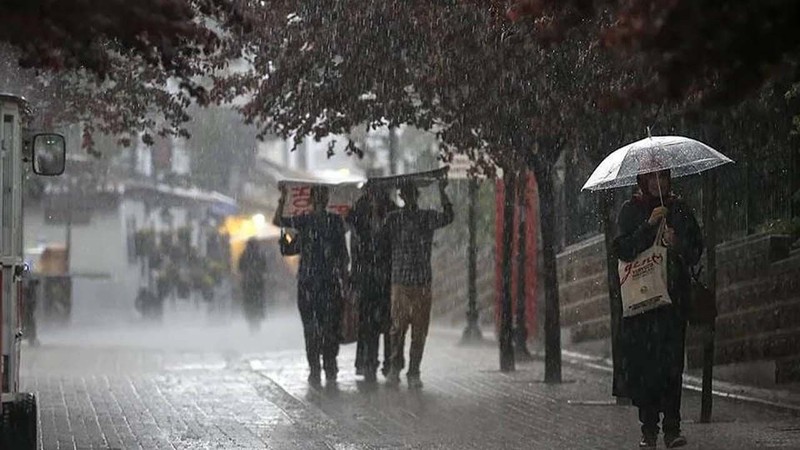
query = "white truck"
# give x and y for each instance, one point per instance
(47, 152)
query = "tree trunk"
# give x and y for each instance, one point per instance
(506, 319)
(552, 325)
(521, 335)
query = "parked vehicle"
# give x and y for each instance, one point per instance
(18, 410)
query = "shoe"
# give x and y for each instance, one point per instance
(648, 441)
(331, 375)
(371, 377)
(393, 378)
(675, 441)
(414, 382)
(314, 379)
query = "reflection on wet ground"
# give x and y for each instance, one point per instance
(195, 384)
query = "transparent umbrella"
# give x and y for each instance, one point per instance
(682, 155)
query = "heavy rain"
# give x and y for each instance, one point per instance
(364, 224)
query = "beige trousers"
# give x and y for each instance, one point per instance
(411, 306)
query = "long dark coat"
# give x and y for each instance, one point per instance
(653, 342)
(372, 266)
(253, 267)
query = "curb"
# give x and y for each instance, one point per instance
(722, 389)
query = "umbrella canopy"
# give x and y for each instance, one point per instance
(682, 155)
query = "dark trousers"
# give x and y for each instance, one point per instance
(653, 359)
(670, 408)
(369, 342)
(320, 311)
(373, 311)
(253, 301)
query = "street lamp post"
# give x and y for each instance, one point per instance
(710, 225)
(472, 333)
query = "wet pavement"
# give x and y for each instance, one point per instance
(204, 386)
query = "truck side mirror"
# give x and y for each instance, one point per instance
(49, 154)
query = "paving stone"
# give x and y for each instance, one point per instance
(129, 398)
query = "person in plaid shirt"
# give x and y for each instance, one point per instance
(411, 232)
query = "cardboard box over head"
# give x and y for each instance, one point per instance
(298, 196)
(419, 179)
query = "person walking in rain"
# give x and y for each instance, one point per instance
(252, 267)
(323, 266)
(371, 271)
(411, 232)
(653, 341)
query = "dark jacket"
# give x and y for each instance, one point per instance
(252, 267)
(372, 258)
(653, 342)
(323, 250)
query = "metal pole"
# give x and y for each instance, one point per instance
(709, 223)
(392, 150)
(472, 333)
(522, 352)
(606, 201)
(506, 319)
(68, 238)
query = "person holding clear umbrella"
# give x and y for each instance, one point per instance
(655, 227)
(653, 341)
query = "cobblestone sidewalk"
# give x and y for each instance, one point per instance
(110, 397)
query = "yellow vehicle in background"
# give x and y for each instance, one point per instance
(281, 272)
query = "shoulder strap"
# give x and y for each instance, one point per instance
(660, 233)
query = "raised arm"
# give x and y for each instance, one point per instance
(278, 220)
(295, 222)
(340, 245)
(635, 236)
(444, 218)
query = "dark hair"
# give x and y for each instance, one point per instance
(408, 188)
(316, 190)
(640, 178)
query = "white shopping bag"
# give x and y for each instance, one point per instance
(643, 281)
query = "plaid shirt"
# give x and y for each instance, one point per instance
(411, 234)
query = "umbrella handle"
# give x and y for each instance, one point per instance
(658, 178)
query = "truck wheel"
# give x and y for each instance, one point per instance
(5, 426)
(25, 422)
